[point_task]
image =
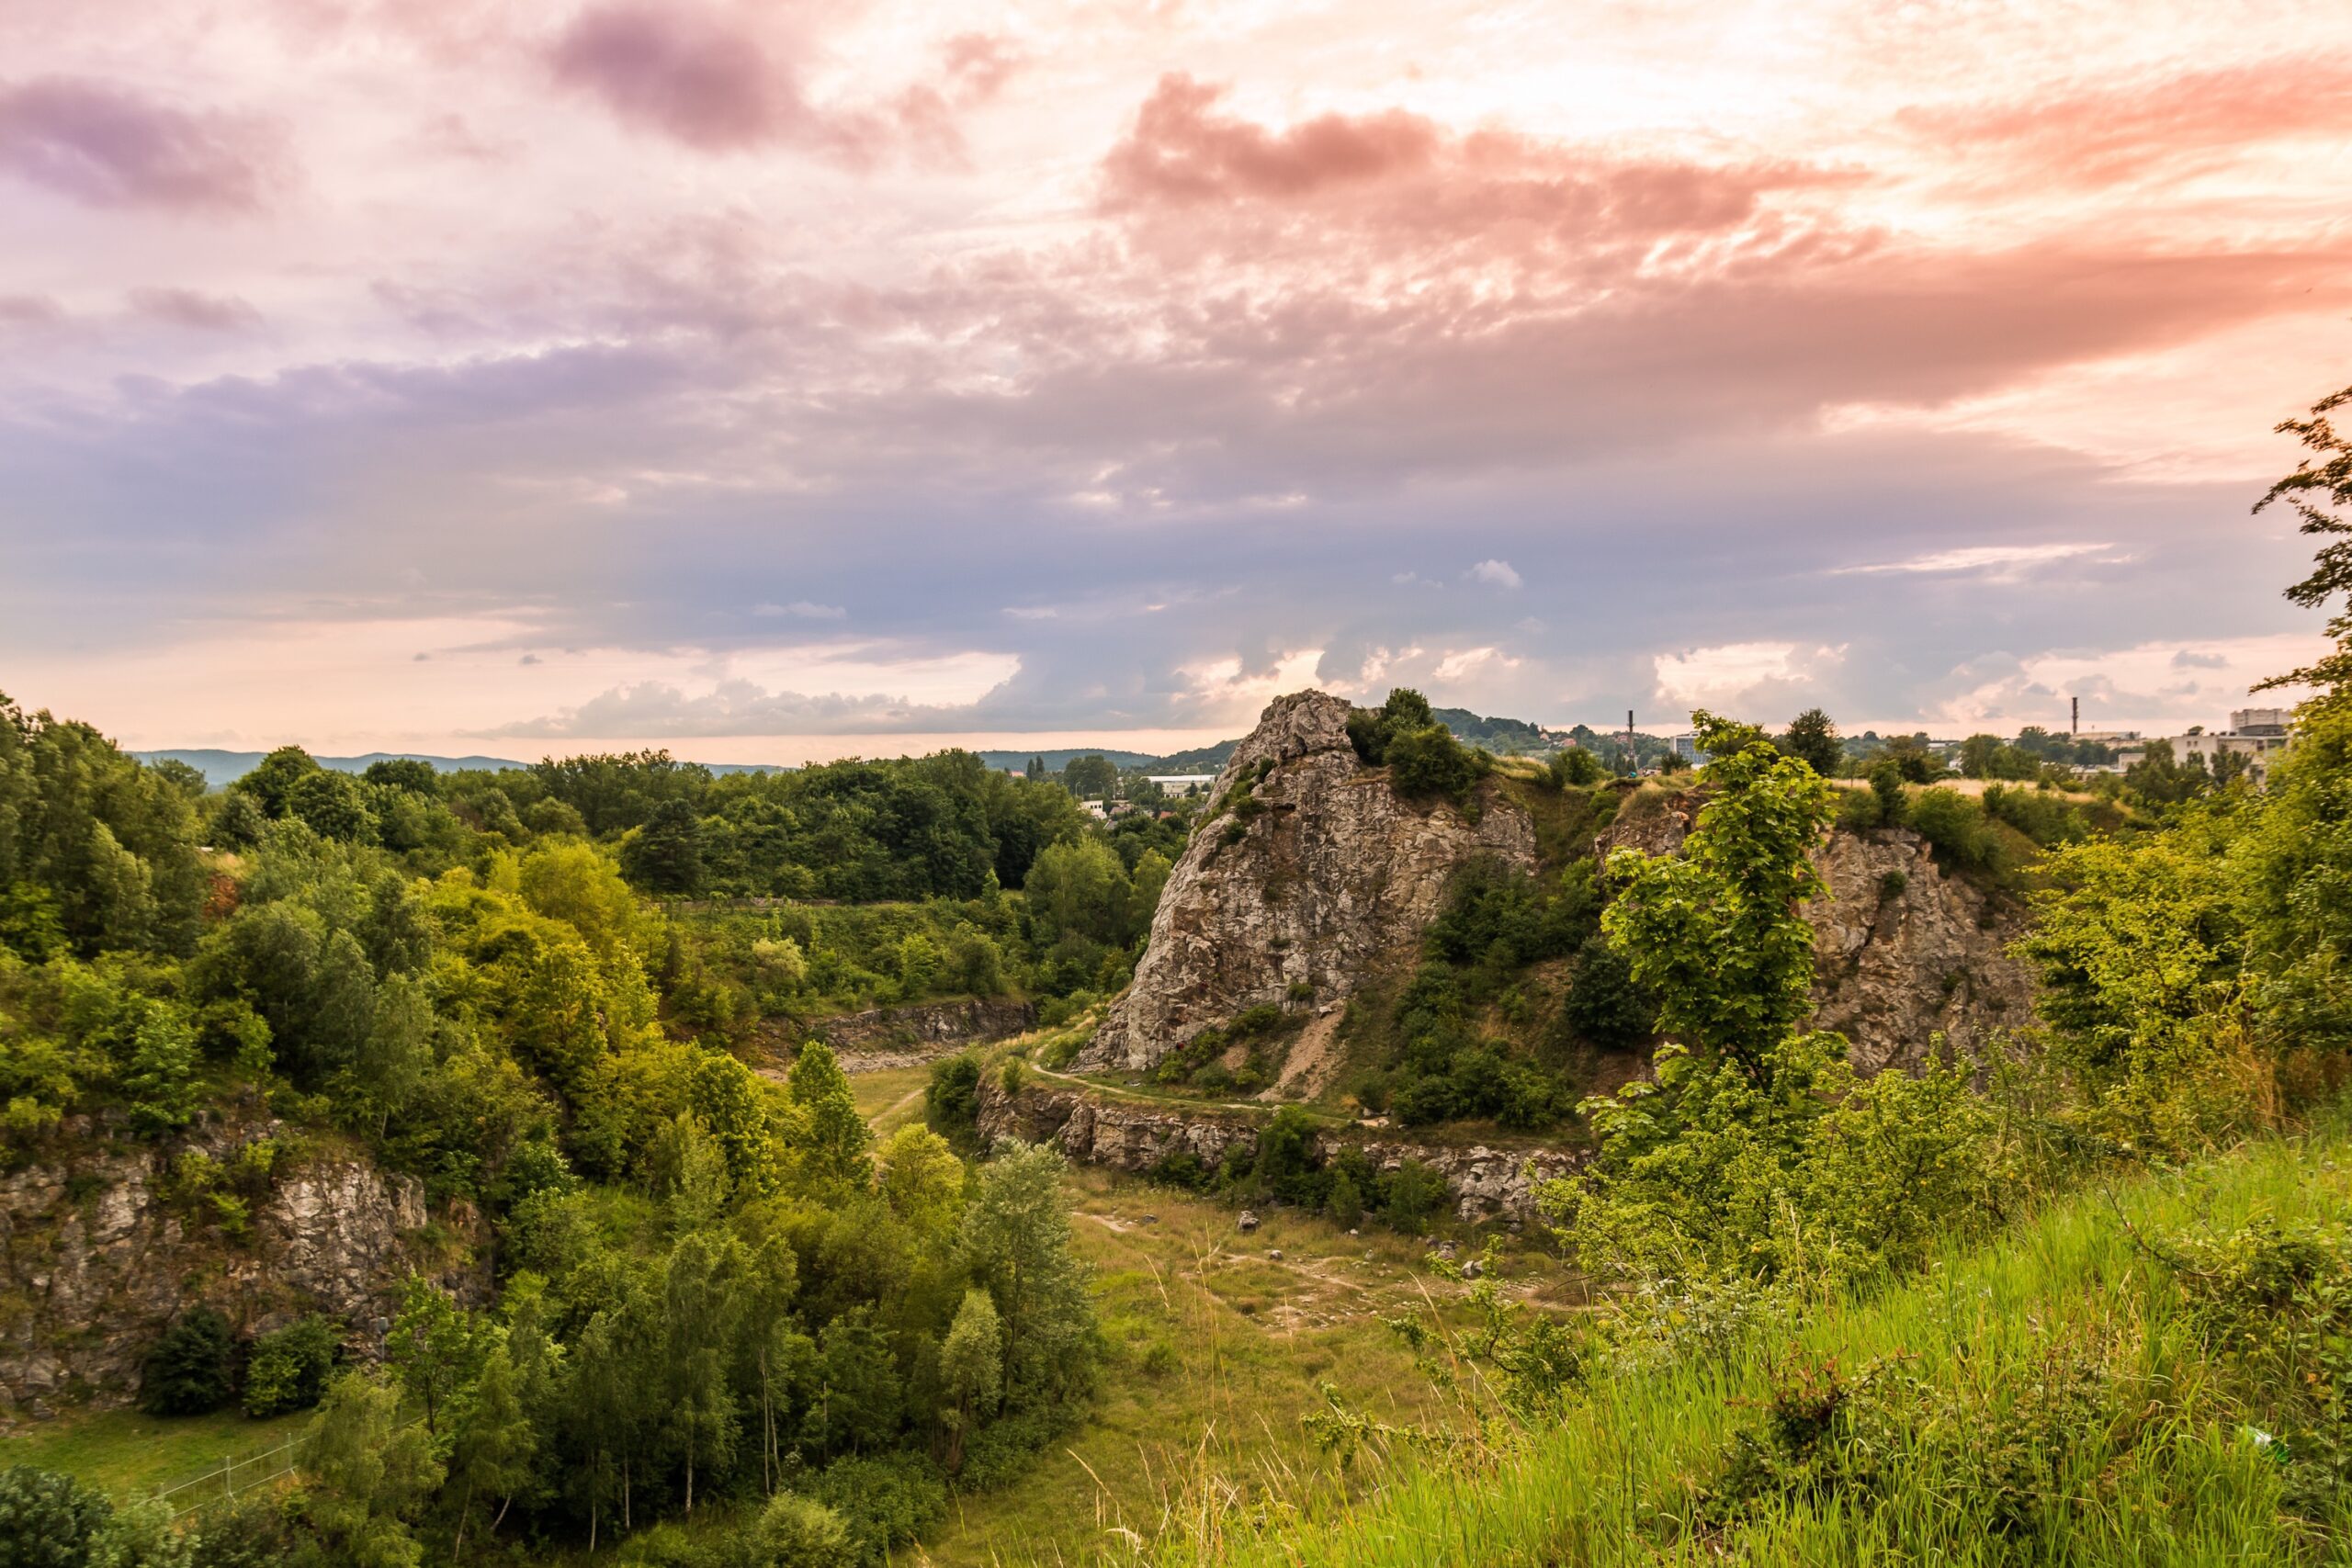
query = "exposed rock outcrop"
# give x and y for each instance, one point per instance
(95, 1260)
(1326, 882)
(1902, 951)
(917, 1033)
(1137, 1136)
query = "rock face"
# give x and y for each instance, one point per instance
(1901, 951)
(910, 1035)
(95, 1261)
(1124, 1134)
(1328, 884)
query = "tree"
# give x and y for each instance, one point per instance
(335, 805)
(433, 1347)
(496, 1446)
(1431, 762)
(1016, 1241)
(273, 779)
(1370, 730)
(192, 1369)
(1090, 778)
(1082, 888)
(1886, 787)
(369, 1474)
(702, 1308)
(1716, 933)
(972, 1371)
(923, 1182)
(410, 773)
(832, 1138)
(1813, 739)
(1576, 765)
(2320, 492)
(289, 1368)
(665, 855)
(48, 1520)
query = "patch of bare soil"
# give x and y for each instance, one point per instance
(1314, 1060)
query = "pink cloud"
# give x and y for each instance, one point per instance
(688, 76)
(200, 313)
(104, 146)
(2171, 125)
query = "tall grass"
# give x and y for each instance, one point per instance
(1994, 1465)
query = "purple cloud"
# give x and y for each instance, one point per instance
(689, 77)
(105, 147)
(200, 313)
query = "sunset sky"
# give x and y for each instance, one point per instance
(772, 381)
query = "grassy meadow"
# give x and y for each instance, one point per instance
(2063, 1408)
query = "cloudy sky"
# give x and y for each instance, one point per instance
(773, 380)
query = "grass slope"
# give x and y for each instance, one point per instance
(1992, 1336)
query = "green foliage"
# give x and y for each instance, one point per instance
(1428, 763)
(883, 1504)
(665, 855)
(289, 1367)
(1574, 767)
(1812, 739)
(1016, 1243)
(1411, 1195)
(48, 1520)
(951, 1102)
(1371, 730)
(2320, 492)
(1958, 827)
(192, 1369)
(2139, 947)
(369, 1475)
(1716, 933)
(2293, 872)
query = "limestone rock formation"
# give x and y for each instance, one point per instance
(1132, 1135)
(1902, 952)
(96, 1259)
(917, 1033)
(1327, 882)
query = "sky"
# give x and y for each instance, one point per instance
(775, 380)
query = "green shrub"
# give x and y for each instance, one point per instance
(882, 1504)
(1410, 1195)
(288, 1369)
(48, 1520)
(951, 1100)
(1887, 779)
(1859, 810)
(192, 1370)
(1429, 762)
(1957, 826)
(1014, 1074)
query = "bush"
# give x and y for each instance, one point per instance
(1605, 1004)
(48, 1520)
(1957, 826)
(882, 1504)
(1410, 1195)
(1859, 810)
(289, 1370)
(1886, 788)
(192, 1370)
(1431, 762)
(951, 1100)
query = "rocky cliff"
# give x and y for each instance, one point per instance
(910, 1036)
(1902, 952)
(1135, 1136)
(98, 1255)
(1315, 881)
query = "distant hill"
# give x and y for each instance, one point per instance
(1504, 737)
(1056, 760)
(220, 768)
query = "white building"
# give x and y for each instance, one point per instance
(2256, 734)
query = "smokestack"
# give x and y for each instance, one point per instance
(2075, 725)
